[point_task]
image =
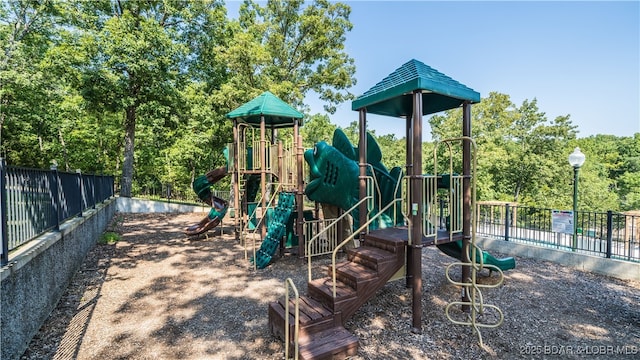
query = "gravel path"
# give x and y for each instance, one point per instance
(158, 295)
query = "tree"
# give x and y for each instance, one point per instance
(317, 128)
(518, 157)
(139, 57)
(289, 48)
(25, 28)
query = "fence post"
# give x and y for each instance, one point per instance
(507, 222)
(79, 172)
(609, 233)
(4, 254)
(93, 191)
(55, 198)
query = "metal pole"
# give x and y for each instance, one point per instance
(575, 207)
(79, 172)
(609, 233)
(466, 203)
(417, 212)
(263, 175)
(4, 255)
(55, 198)
(507, 222)
(409, 172)
(362, 145)
(300, 190)
(235, 180)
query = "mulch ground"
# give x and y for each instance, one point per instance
(156, 294)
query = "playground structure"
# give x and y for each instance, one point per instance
(202, 187)
(392, 214)
(262, 163)
(395, 214)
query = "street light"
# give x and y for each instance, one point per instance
(576, 159)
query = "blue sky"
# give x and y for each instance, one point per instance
(576, 58)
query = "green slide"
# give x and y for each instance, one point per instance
(202, 187)
(276, 230)
(454, 249)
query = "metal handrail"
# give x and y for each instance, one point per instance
(326, 229)
(288, 282)
(350, 237)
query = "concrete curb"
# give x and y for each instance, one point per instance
(132, 205)
(610, 267)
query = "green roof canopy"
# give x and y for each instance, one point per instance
(276, 112)
(393, 95)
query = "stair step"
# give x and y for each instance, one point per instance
(314, 317)
(333, 343)
(322, 290)
(352, 274)
(392, 239)
(371, 257)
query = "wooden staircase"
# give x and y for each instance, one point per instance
(322, 334)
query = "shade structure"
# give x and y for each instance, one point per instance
(393, 95)
(277, 113)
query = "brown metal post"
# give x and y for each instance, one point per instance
(409, 172)
(466, 202)
(235, 181)
(263, 174)
(362, 144)
(300, 193)
(417, 212)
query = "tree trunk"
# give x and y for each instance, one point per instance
(65, 154)
(127, 164)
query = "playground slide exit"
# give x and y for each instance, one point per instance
(454, 249)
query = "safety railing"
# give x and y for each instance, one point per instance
(331, 227)
(327, 234)
(604, 234)
(325, 243)
(452, 184)
(288, 164)
(34, 201)
(362, 227)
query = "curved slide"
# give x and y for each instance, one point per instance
(202, 187)
(454, 249)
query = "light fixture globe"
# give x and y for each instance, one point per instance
(576, 158)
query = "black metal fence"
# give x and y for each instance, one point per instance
(33, 201)
(606, 234)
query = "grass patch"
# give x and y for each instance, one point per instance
(109, 238)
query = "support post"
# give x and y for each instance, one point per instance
(4, 255)
(574, 246)
(466, 203)
(263, 175)
(417, 212)
(507, 222)
(409, 172)
(362, 145)
(609, 233)
(55, 197)
(300, 193)
(80, 192)
(235, 180)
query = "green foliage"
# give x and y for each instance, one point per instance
(109, 238)
(141, 88)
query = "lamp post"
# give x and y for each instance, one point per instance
(576, 159)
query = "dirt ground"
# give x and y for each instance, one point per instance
(159, 295)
